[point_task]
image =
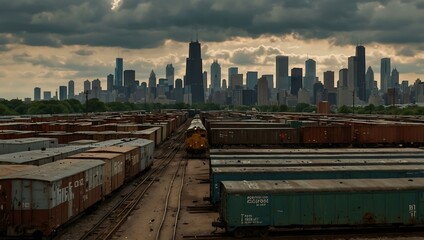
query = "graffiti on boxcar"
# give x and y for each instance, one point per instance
(65, 193)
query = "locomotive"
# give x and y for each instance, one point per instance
(196, 139)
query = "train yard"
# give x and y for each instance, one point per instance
(239, 176)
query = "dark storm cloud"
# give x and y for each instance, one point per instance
(83, 52)
(146, 24)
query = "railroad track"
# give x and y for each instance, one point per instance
(114, 218)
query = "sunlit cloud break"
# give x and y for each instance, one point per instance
(116, 4)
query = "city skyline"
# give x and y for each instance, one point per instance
(38, 53)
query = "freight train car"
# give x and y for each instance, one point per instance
(254, 136)
(253, 207)
(221, 174)
(38, 201)
(196, 138)
(288, 162)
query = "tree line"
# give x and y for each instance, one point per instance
(19, 107)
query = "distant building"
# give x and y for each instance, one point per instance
(109, 84)
(194, 75)
(119, 68)
(37, 94)
(152, 87)
(343, 77)
(329, 80)
(385, 69)
(129, 82)
(87, 86)
(310, 74)
(170, 76)
(369, 82)
(249, 97)
(263, 91)
(303, 96)
(231, 71)
(352, 66)
(282, 73)
(63, 93)
(47, 95)
(178, 91)
(360, 87)
(205, 82)
(215, 76)
(71, 89)
(296, 80)
(251, 80)
(395, 78)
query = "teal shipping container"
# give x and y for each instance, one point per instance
(252, 207)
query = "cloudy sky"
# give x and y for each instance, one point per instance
(46, 43)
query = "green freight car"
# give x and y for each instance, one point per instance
(254, 207)
(219, 174)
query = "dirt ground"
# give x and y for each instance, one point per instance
(143, 223)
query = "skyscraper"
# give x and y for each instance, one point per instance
(119, 68)
(231, 71)
(37, 94)
(129, 82)
(263, 91)
(63, 93)
(342, 77)
(194, 73)
(385, 69)
(352, 66)
(152, 86)
(282, 72)
(369, 80)
(87, 86)
(110, 82)
(394, 79)
(310, 74)
(360, 73)
(251, 80)
(215, 76)
(205, 81)
(329, 80)
(296, 80)
(71, 89)
(170, 76)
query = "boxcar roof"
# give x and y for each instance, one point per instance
(56, 170)
(117, 149)
(95, 155)
(10, 169)
(327, 185)
(315, 150)
(231, 169)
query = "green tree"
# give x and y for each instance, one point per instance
(94, 105)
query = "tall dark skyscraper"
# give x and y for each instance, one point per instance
(194, 73)
(119, 69)
(296, 80)
(360, 74)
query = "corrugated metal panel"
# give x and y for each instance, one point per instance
(10, 169)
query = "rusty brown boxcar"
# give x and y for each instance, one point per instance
(254, 136)
(375, 134)
(37, 202)
(131, 155)
(113, 170)
(327, 135)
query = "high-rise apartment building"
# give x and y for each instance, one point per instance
(194, 73)
(282, 73)
(215, 76)
(310, 74)
(385, 69)
(71, 89)
(119, 69)
(63, 93)
(37, 94)
(360, 73)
